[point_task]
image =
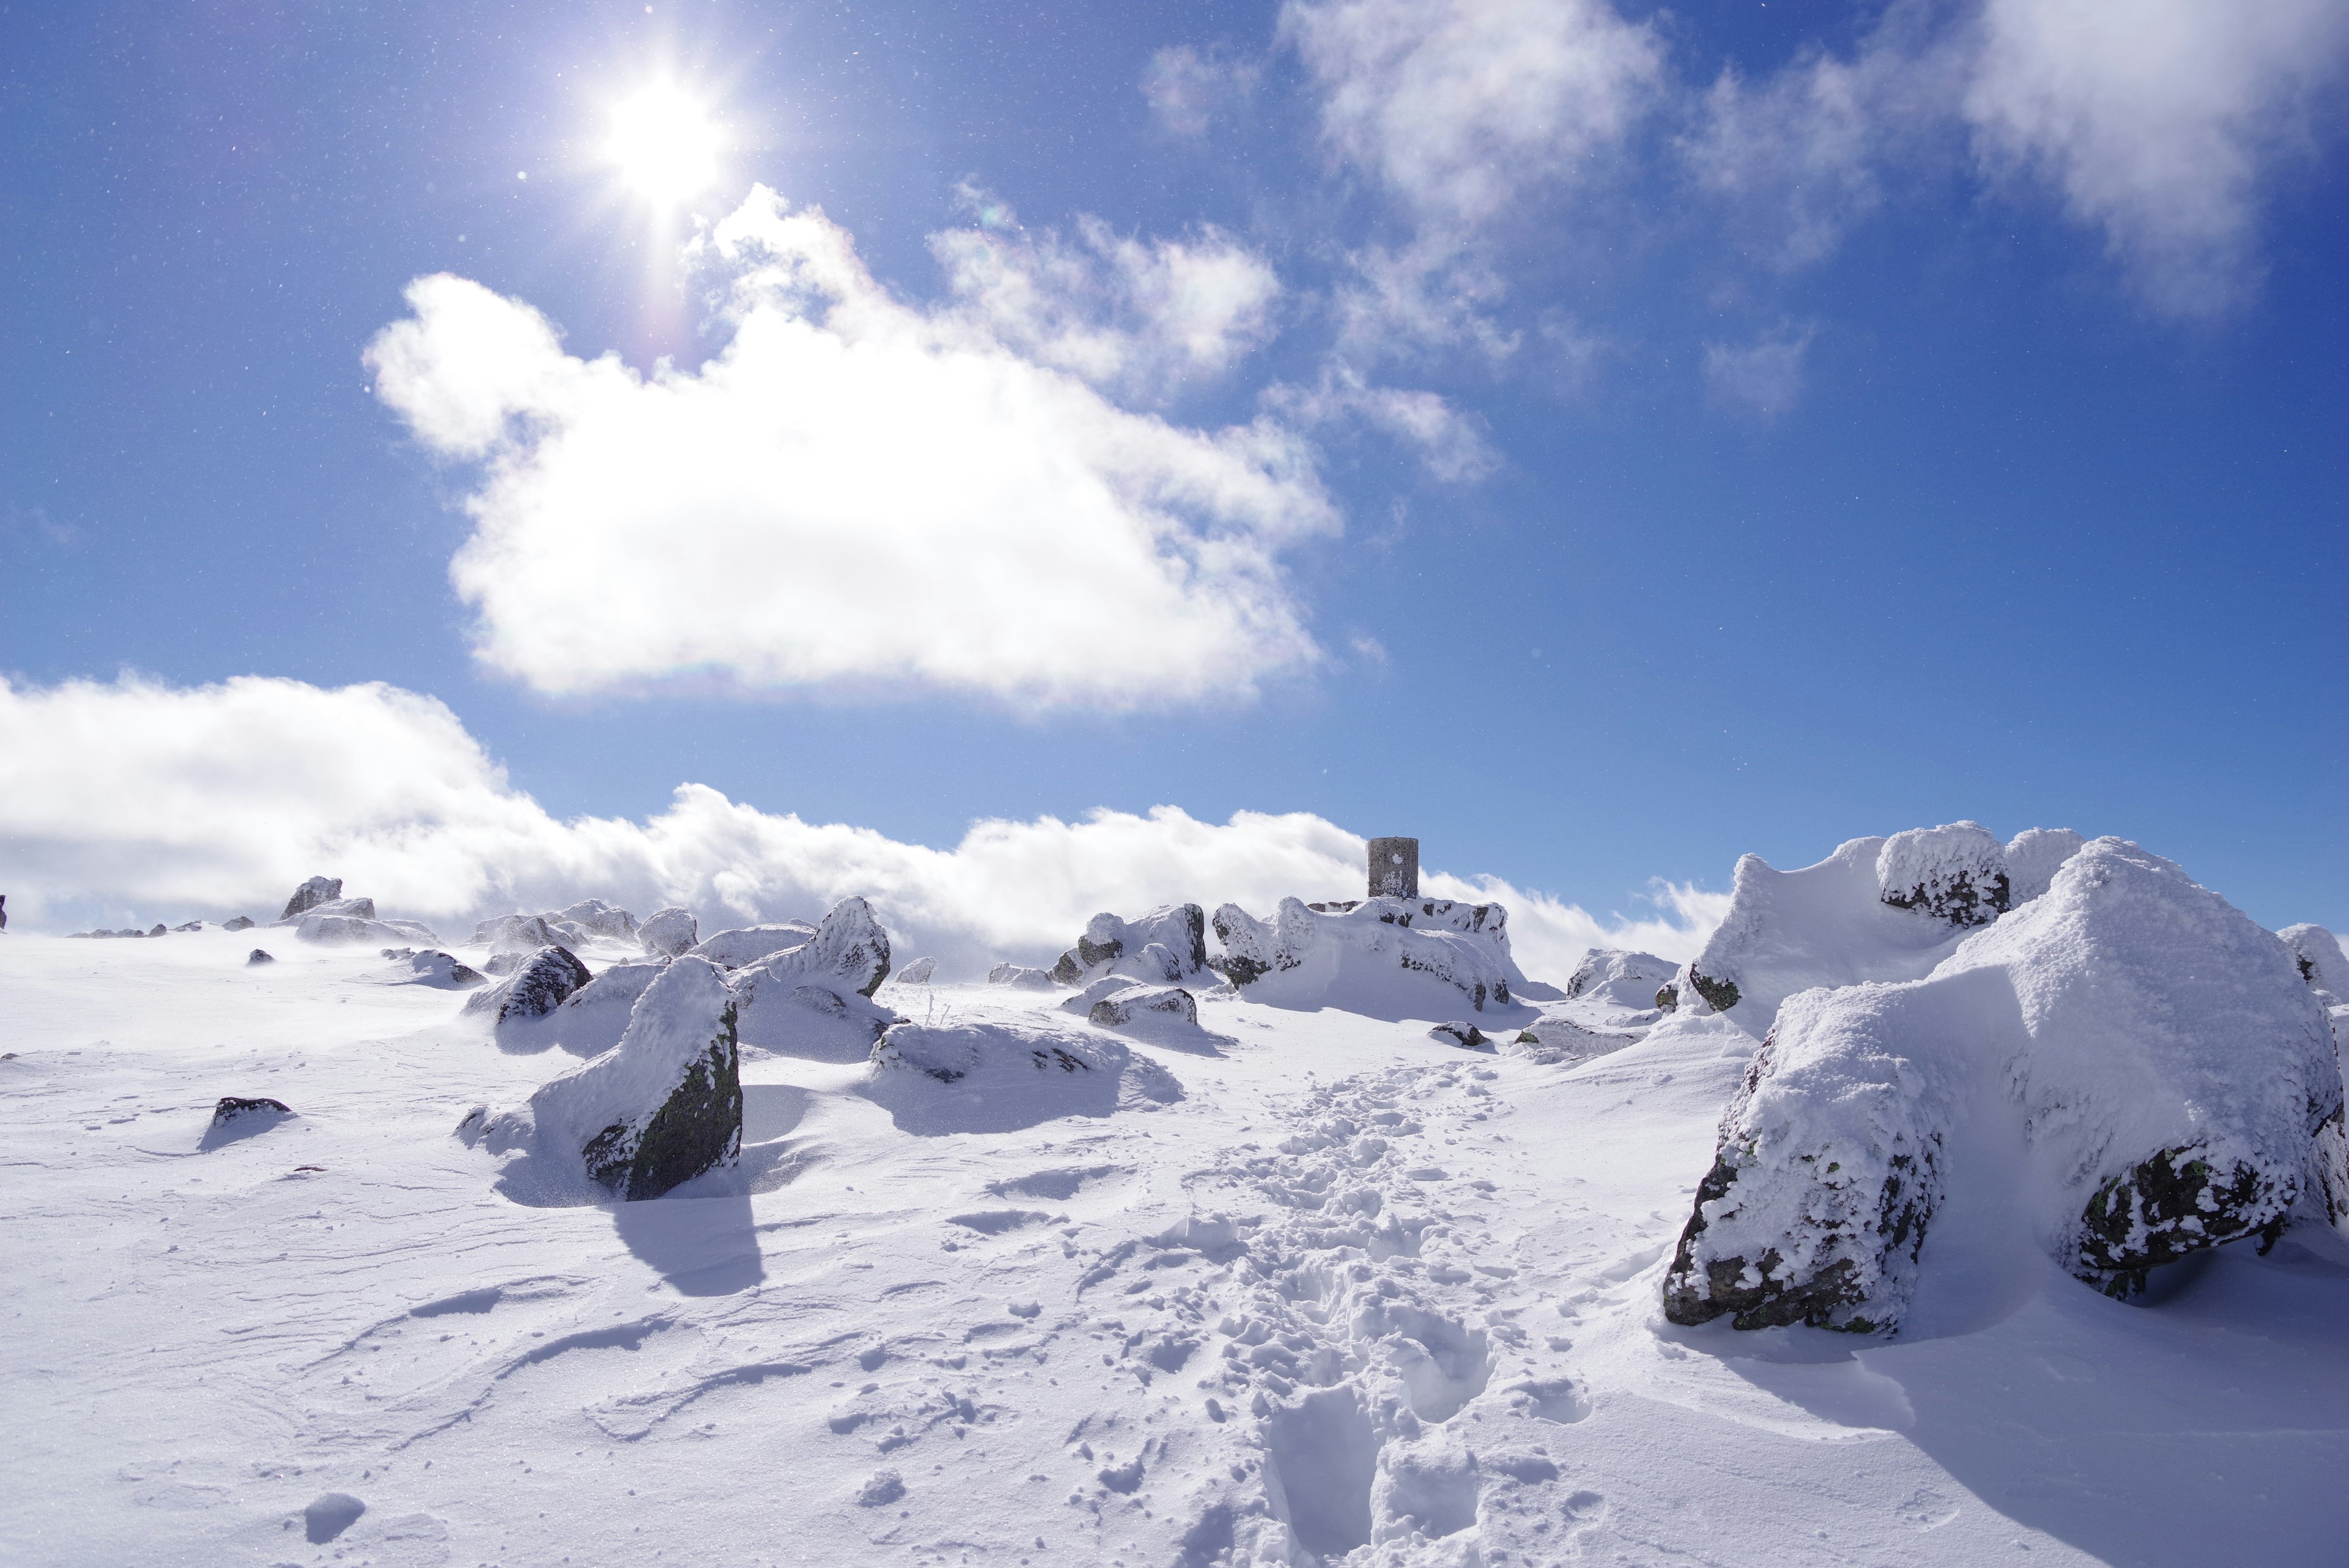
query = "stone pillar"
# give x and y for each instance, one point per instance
(1394, 867)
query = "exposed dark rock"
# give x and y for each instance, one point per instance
(317, 890)
(160, 929)
(1720, 995)
(1956, 872)
(1668, 997)
(1144, 1005)
(697, 1128)
(1465, 1035)
(241, 923)
(2166, 1208)
(191, 925)
(232, 1106)
(534, 989)
(258, 956)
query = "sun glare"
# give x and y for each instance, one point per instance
(664, 145)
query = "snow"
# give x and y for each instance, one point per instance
(1168, 944)
(1312, 1287)
(2032, 859)
(665, 933)
(748, 944)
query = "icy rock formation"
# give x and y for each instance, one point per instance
(534, 991)
(2034, 856)
(2173, 1085)
(1021, 977)
(1956, 872)
(666, 933)
(1111, 945)
(309, 895)
(1389, 957)
(1467, 1037)
(665, 1104)
(515, 934)
(1612, 974)
(918, 972)
(815, 997)
(1140, 1007)
(599, 919)
(2317, 954)
(748, 944)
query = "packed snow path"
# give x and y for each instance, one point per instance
(1354, 1295)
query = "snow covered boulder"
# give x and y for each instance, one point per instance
(1956, 872)
(665, 1104)
(1629, 979)
(353, 921)
(2318, 955)
(2168, 1082)
(918, 972)
(999, 1076)
(2034, 856)
(1551, 1040)
(259, 957)
(1386, 958)
(1112, 945)
(440, 969)
(237, 923)
(1142, 1007)
(1465, 1035)
(515, 934)
(814, 997)
(665, 933)
(315, 891)
(540, 986)
(599, 919)
(748, 944)
(1021, 977)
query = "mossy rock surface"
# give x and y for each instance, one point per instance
(697, 1128)
(2171, 1207)
(1720, 995)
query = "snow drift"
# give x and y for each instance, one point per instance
(1000, 1074)
(2172, 1082)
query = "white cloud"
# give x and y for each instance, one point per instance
(134, 800)
(1449, 445)
(1138, 318)
(1462, 105)
(1186, 88)
(2160, 121)
(855, 492)
(1763, 377)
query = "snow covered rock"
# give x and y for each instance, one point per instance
(238, 924)
(748, 944)
(1388, 958)
(1140, 1007)
(996, 1076)
(665, 1104)
(918, 972)
(258, 957)
(2317, 953)
(814, 997)
(232, 1106)
(1612, 974)
(1112, 945)
(1956, 872)
(666, 933)
(1467, 1037)
(320, 925)
(514, 934)
(1551, 1040)
(2034, 856)
(2169, 1082)
(309, 895)
(441, 970)
(540, 986)
(1822, 925)
(599, 919)
(1021, 977)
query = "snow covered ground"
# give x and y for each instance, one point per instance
(1305, 1286)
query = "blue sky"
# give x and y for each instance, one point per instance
(1678, 432)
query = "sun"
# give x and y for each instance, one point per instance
(664, 145)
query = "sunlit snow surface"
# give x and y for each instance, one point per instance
(1349, 1290)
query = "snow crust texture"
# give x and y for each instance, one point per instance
(2146, 1050)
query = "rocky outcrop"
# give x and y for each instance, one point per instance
(1144, 1007)
(918, 972)
(599, 919)
(1387, 956)
(1550, 1041)
(239, 923)
(2174, 1085)
(232, 1106)
(514, 934)
(258, 957)
(1614, 974)
(311, 894)
(540, 985)
(1021, 977)
(1956, 872)
(816, 996)
(1465, 1035)
(2317, 954)
(665, 1104)
(665, 933)
(444, 971)
(1112, 945)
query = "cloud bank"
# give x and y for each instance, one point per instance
(137, 801)
(860, 492)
